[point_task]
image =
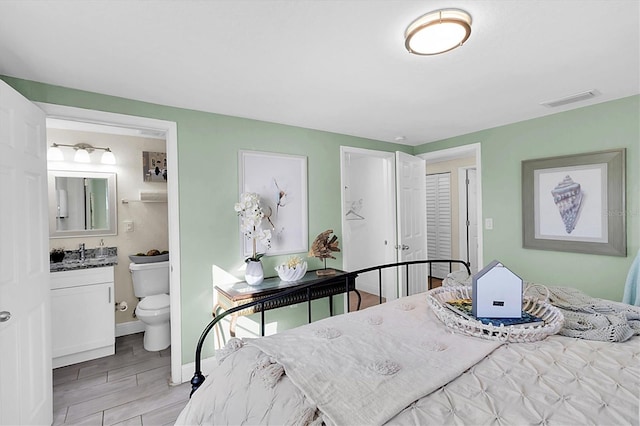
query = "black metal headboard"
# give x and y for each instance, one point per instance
(350, 278)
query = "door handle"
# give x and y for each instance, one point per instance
(5, 316)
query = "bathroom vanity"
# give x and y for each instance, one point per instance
(82, 314)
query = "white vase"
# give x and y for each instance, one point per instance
(254, 274)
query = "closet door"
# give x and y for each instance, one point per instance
(439, 221)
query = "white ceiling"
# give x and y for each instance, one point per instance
(332, 65)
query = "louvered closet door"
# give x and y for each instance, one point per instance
(439, 220)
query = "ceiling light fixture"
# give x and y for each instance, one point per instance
(82, 153)
(438, 32)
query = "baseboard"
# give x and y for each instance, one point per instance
(131, 327)
(207, 365)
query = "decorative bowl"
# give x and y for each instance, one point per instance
(291, 274)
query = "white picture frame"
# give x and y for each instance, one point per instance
(281, 182)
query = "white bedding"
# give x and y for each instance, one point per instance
(348, 365)
(559, 380)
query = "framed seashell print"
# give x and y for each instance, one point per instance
(575, 203)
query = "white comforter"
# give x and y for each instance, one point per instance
(556, 381)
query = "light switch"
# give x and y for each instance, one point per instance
(128, 226)
(488, 223)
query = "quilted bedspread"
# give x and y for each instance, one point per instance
(557, 381)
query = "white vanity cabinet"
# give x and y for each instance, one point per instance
(82, 315)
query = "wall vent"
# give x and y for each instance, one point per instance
(578, 97)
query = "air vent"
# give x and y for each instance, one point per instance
(578, 97)
(150, 133)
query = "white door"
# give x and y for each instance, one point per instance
(412, 226)
(25, 333)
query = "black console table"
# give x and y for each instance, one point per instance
(316, 287)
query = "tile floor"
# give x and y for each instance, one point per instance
(128, 388)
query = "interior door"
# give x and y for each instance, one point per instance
(411, 220)
(25, 334)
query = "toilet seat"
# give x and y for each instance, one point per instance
(155, 302)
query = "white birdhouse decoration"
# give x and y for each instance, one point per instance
(497, 292)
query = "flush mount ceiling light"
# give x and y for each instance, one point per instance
(438, 32)
(82, 153)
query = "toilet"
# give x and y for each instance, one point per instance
(151, 286)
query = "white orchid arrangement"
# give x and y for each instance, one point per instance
(251, 215)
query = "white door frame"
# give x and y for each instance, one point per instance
(473, 149)
(171, 131)
(462, 207)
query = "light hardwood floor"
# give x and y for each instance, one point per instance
(128, 388)
(369, 299)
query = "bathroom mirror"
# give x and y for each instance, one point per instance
(82, 204)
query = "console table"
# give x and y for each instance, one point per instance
(237, 294)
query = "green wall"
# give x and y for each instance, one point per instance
(208, 147)
(609, 125)
(207, 158)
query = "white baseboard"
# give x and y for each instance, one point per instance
(131, 327)
(207, 365)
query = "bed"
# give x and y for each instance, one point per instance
(398, 363)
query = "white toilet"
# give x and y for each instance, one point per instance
(151, 286)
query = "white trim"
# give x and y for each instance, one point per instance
(171, 131)
(131, 327)
(78, 357)
(473, 149)
(462, 206)
(207, 365)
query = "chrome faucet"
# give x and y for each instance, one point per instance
(82, 252)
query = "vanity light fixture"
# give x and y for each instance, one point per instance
(54, 153)
(82, 153)
(108, 157)
(438, 32)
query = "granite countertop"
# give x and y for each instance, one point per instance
(72, 260)
(88, 263)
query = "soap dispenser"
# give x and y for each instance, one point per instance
(101, 250)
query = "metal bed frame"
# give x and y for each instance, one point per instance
(349, 277)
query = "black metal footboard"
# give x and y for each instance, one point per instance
(350, 281)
